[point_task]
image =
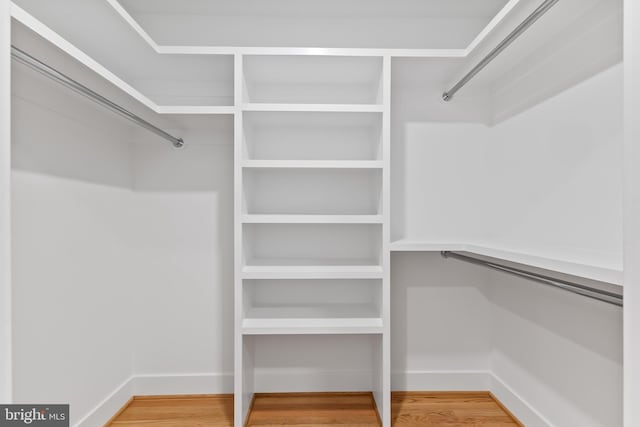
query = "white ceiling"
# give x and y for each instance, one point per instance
(408, 24)
(320, 8)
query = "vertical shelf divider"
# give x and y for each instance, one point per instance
(243, 369)
(383, 400)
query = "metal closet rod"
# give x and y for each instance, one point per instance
(23, 57)
(576, 288)
(528, 22)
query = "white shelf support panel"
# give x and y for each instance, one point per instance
(311, 210)
(243, 384)
(382, 393)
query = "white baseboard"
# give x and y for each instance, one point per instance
(108, 407)
(146, 385)
(524, 412)
(304, 380)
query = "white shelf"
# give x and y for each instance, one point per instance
(313, 164)
(593, 272)
(337, 108)
(325, 319)
(312, 219)
(421, 246)
(196, 109)
(312, 272)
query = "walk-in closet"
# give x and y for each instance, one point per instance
(304, 212)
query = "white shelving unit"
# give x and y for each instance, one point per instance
(311, 199)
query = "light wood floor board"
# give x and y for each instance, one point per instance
(409, 409)
(177, 411)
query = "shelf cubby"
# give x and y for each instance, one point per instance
(312, 136)
(290, 79)
(311, 307)
(312, 244)
(312, 191)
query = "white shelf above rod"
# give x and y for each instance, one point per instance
(39, 66)
(576, 288)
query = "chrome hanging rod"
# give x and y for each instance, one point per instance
(23, 57)
(531, 19)
(587, 291)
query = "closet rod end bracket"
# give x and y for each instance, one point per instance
(446, 97)
(444, 254)
(178, 143)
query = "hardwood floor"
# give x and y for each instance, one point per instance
(449, 410)
(176, 411)
(409, 409)
(313, 409)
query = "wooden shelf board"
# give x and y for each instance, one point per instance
(338, 108)
(314, 319)
(312, 272)
(312, 219)
(313, 164)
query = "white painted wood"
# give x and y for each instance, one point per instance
(383, 392)
(312, 51)
(311, 326)
(313, 164)
(312, 272)
(423, 246)
(492, 24)
(47, 33)
(194, 109)
(100, 69)
(632, 214)
(341, 108)
(6, 381)
(561, 266)
(242, 390)
(312, 219)
(581, 270)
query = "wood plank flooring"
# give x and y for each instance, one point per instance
(409, 409)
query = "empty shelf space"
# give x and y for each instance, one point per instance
(313, 136)
(313, 191)
(312, 219)
(313, 164)
(329, 271)
(312, 79)
(330, 319)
